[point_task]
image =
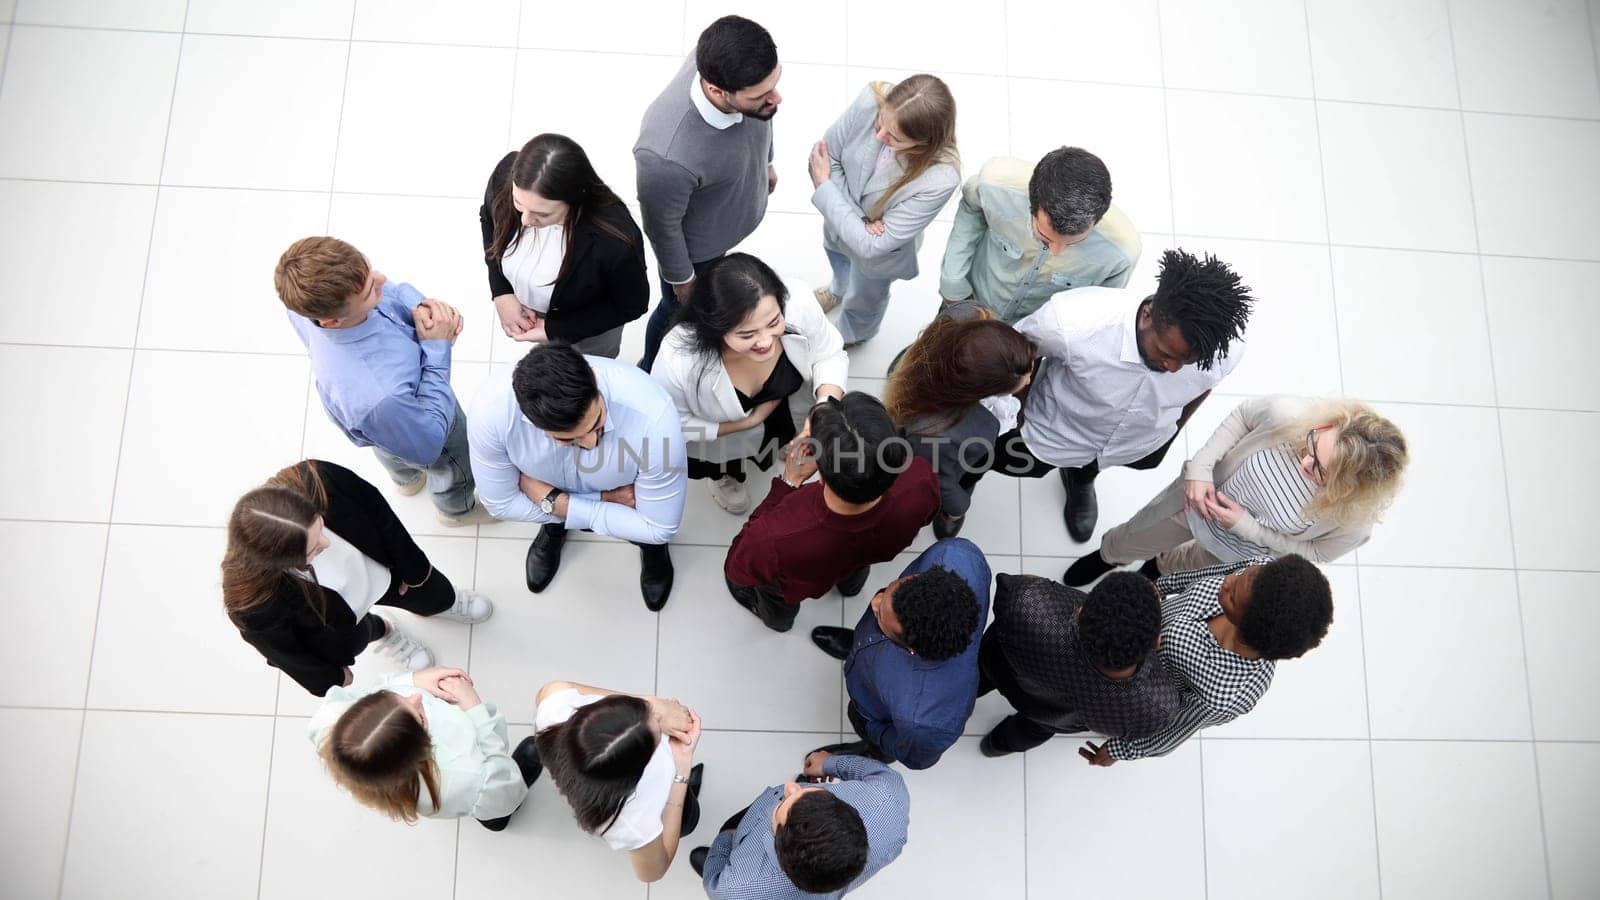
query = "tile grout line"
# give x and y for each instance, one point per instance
(1338, 356)
(122, 437)
(1505, 469)
(1594, 48)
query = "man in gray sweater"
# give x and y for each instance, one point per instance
(704, 159)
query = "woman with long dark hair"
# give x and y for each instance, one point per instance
(565, 258)
(951, 389)
(736, 362)
(424, 744)
(625, 764)
(310, 553)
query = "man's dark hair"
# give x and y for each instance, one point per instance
(1073, 188)
(1205, 299)
(1119, 621)
(938, 613)
(1289, 611)
(733, 53)
(860, 452)
(554, 386)
(822, 846)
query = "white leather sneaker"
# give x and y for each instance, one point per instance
(470, 608)
(730, 494)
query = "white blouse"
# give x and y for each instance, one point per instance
(532, 263)
(353, 575)
(639, 823)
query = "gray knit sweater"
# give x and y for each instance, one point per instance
(701, 190)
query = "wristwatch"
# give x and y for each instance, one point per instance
(679, 779)
(548, 504)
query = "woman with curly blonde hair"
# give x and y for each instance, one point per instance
(1281, 475)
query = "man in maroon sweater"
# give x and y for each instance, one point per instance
(873, 498)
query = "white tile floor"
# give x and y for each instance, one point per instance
(156, 156)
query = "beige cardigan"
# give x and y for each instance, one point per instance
(1250, 427)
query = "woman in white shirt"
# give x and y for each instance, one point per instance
(565, 258)
(1281, 475)
(736, 364)
(882, 172)
(625, 764)
(424, 744)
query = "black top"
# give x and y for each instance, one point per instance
(1052, 682)
(777, 429)
(605, 285)
(288, 631)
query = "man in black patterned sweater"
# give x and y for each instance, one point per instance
(1070, 662)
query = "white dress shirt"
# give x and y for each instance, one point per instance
(641, 444)
(639, 821)
(477, 776)
(1094, 398)
(532, 264)
(714, 117)
(353, 575)
(704, 394)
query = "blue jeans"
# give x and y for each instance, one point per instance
(449, 477)
(864, 299)
(661, 319)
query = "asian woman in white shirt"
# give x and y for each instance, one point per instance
(625, 764)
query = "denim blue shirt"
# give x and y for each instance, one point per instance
(914, 709)
(743, 864)
(379, 383)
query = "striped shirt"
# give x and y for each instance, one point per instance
(1270, 485)
(1214, 685)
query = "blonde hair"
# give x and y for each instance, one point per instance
(383, 756)
(317, 276)
(926, 113)
(1361, 480)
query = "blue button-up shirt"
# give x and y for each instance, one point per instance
(743, 864)
(641, 443)
(914, 708)
(379, 383)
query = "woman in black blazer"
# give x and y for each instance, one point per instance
(566, 261)
(312, 550)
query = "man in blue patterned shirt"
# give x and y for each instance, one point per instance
(810, 840)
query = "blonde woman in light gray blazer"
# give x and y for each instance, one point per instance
(1281, 475)
(882, 172)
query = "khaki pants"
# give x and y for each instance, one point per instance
(1169, 540)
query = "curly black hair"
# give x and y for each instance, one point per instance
(1119, 621)
(1205, 299)
(1289, 609)
(938, 613)
(822, 846)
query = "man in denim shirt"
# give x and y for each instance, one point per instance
(1022, 235)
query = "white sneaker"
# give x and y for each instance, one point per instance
(827, 299)
(470, 608)
(414, 486)
(477, 515)
(402, 648)
(730, 494)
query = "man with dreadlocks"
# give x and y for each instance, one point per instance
(1120, 373)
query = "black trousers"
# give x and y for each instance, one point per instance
(1016, 732)
(1012, 457)
(860, 725)
(766, 601)
(429, 598)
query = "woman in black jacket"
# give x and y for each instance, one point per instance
(566, 261)
(309, 553)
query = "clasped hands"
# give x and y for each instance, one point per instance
(519, 322)
(1211, 504)
(453, 686)
(437, 320)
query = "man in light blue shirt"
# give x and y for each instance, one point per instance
(381, 356)
(810, 840)
(574, 441)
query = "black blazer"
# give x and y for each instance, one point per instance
(605, 285)
(286, 628)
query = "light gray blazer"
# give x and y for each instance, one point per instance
(1249, 428)
(851, 191)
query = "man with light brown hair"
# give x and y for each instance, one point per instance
(381, 356)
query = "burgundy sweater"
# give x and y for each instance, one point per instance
(794, 541)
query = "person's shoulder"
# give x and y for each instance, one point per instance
(1006, 173)
(1094, 307)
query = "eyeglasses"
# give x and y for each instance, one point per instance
(1311, 449)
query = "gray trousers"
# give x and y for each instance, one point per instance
(449, 477)
(606, 343)
(864, 299)
(1169, 540)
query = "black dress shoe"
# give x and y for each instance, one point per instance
(1086, 569)
(697, 860)
(544, 556)
(988, 748)
(854, 582)
(834, 641)
(1081, 509)
(655, 575)
(526, 757)
(945, 527)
